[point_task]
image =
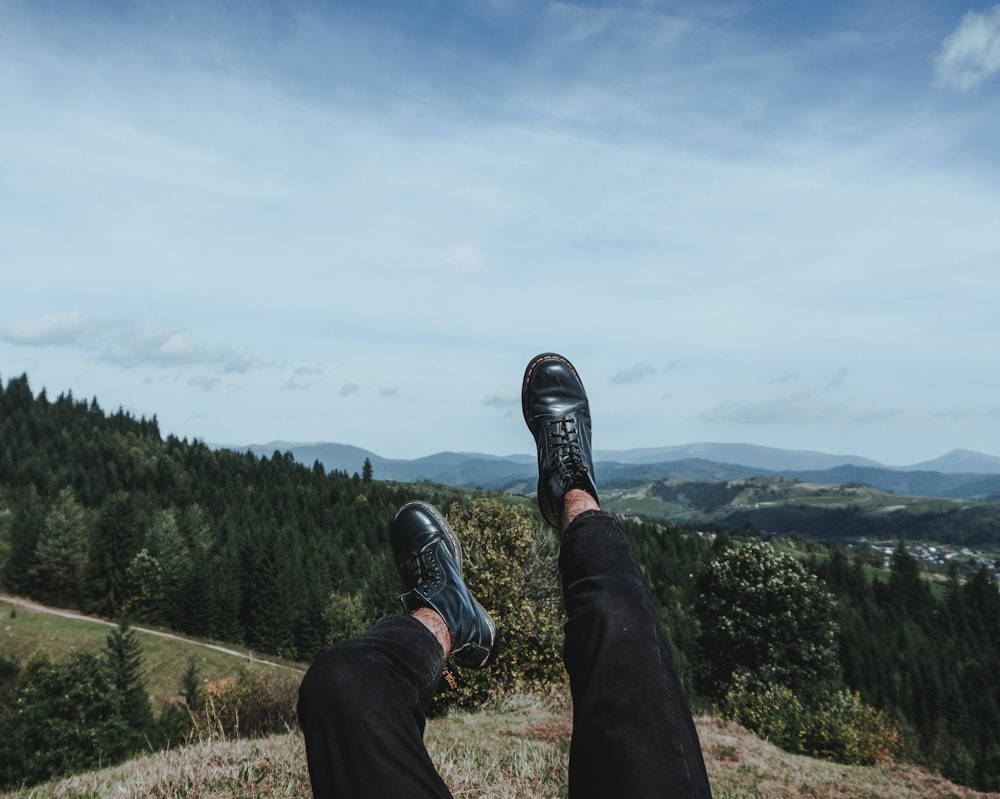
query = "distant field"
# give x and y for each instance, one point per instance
(26, 632)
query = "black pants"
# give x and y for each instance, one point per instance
(362, 703)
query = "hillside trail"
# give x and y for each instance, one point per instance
(35, 607)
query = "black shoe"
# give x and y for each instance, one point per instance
(558, 415)
(429, 557)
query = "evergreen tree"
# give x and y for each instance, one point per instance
(65, 718)
(117, 538)
(27, 524)
(61, 550)
(165, 543)
(191, 687)
(124, 654)
(144, 588)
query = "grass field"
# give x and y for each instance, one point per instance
(25, 632)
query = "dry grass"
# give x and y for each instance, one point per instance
(519, 749)
(741, 766)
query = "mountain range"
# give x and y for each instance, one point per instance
(959, 474)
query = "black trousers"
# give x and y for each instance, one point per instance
(362, 704)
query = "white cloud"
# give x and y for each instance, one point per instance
(56, 329)
(971, 53)
(126, 344)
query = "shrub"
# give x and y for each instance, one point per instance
(510, 565)
(250, 705)
(840, 727)
(846, 730)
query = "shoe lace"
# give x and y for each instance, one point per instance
(564, 437)
(425, 567)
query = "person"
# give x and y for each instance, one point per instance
(362, 704)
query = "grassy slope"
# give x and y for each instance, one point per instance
(771, 491)
(519, 750)
(28, 632)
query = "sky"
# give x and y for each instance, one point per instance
(764, 222)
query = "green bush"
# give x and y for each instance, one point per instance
(840, 727)
(510, 565)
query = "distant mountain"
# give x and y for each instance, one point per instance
(911, 483)
(960, 461)
(957, 474)
(451, 468)
(769, 458)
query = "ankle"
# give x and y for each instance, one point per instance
(576, 502)
(432, 620)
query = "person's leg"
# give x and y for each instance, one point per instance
(362, 704)
(633, 735)
(362, 708)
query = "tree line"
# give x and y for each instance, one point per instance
(99, 513)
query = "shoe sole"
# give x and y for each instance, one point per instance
(529, 371)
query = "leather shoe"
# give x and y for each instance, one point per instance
(556, 409)
(429, 558)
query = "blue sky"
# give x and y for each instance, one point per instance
(766, 222)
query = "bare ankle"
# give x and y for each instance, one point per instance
(432, 620)
(576, 502)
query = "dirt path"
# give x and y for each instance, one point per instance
(35, 607)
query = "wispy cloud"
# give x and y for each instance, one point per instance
(790, 408)
(971, 53)
(304, 377)
(348, 389)
(633, 374)
(59, 330)
(502, 400)
(838, 377)
(126, 344)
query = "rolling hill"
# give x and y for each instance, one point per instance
(959, 474)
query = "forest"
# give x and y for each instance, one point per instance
(99, 512)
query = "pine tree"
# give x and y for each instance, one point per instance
(124, 654)
(117, 538)
(61, 550)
